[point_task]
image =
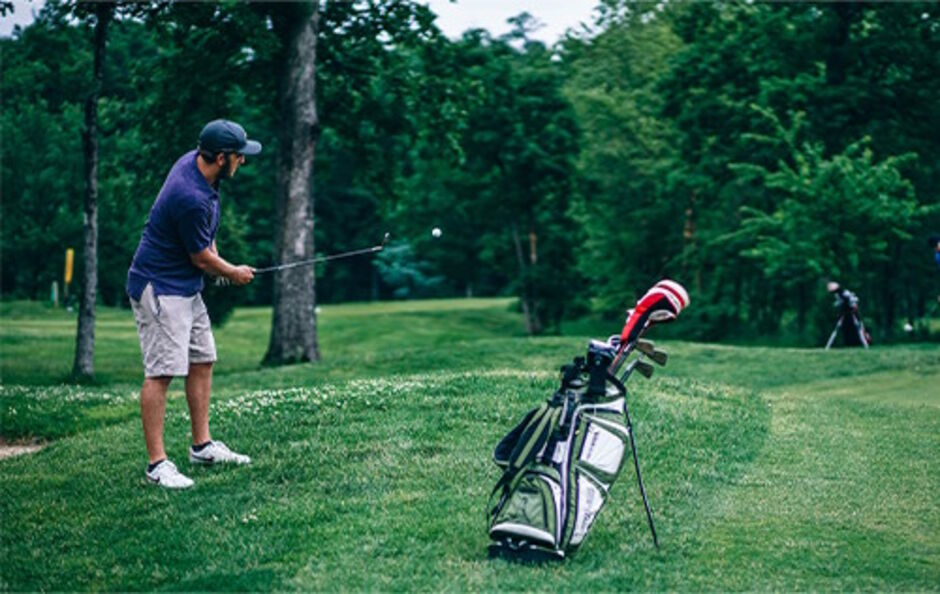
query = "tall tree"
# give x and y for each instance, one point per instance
(293, 327)
(628, 212)
(84, 364)
(520, 144)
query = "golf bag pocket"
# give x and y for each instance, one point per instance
(602, 449)
(601, 445)
(531, 511)
(588, 499)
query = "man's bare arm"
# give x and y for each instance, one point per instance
(209, 261)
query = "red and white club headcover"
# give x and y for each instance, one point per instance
(660, 304)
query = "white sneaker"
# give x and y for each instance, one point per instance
(216, 453)
(166, 475)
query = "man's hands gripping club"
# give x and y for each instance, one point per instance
(225, 273)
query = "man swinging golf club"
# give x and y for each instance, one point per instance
(164, 284)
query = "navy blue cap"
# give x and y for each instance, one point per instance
(225, 136)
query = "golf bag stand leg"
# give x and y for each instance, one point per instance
(832, 336)
(861, 331)
(639, 478)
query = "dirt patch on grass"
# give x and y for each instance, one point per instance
(8, 449)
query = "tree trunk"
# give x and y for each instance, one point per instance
(294, 326)
(802, 305)
(837, 41)
(889, 287)
(84, 364)
(530, 310)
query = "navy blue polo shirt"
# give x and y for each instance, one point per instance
(183, 220)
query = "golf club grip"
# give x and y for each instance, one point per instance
(625, 350)
(620, 358)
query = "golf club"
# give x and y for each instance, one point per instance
(648, 348)
(371, 250)
(645, 369)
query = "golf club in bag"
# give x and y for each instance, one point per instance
(561, 460)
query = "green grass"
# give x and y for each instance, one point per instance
(767, 469)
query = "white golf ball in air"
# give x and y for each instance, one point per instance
(436, 232)
(908, 327)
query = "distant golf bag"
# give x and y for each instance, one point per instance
(849, 323)
(561, 460)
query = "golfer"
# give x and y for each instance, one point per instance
(164, 284)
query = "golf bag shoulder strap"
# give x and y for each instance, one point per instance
(507, 444)
(521, 445)
(530, 442)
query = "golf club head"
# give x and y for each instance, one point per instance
(645, 369)
(647, 348)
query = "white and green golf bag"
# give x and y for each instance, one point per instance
(559, 464)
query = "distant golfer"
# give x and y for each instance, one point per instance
(164, 285)
(853, 330)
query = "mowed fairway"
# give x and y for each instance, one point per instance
(767, 469)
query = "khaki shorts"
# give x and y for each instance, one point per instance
(174, 333)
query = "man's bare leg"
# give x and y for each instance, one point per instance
(152, 411)
(198, 387)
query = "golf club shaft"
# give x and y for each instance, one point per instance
(371, 250)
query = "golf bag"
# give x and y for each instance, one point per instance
(560, 462)
(849, 323)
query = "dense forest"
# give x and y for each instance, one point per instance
(751, 151)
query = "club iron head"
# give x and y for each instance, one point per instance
(649, 349)
(645, 369)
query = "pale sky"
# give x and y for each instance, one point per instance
(557, 16)
(453, 17)
(22, 15)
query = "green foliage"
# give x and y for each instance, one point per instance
(405, 274)
(570, 177)
(818, 60)
(839, 218)
(518, 170)
(628, 215)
